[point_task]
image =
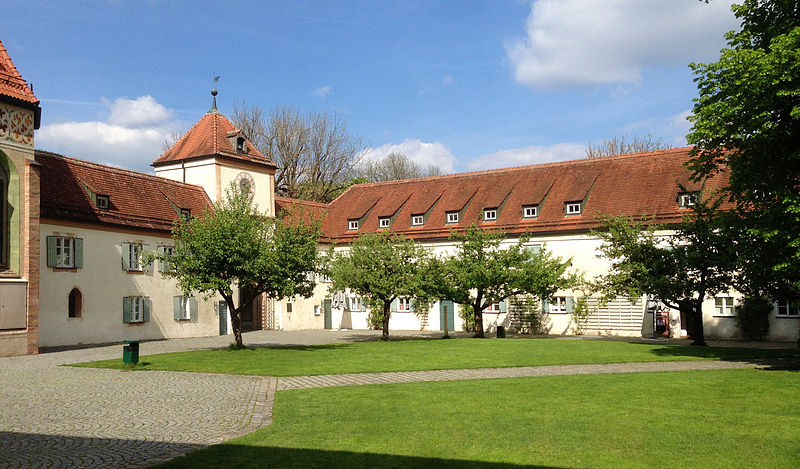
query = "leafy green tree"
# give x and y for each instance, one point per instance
(482, 273)
(747, 119)
(380, 267)
(234, 245)
(679, 269)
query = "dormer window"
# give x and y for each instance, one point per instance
(352, 225)
(241, 144)
(102, 202)
(687, 199)
(452, 217)
(573, 208)
(490, 214)
(384, 222)
(530, 211)
(186, 214)
(417, 220)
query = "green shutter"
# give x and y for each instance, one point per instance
(127, 306)
(393, 307)
(78, 253)
(161, 263)
(51, 251)
(176, 307)
(412, 305)
(570, 304)
(145, 309)
(193, 309)
(545, 305)
(503, 307)
(126, 262)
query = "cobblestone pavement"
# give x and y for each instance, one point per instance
(55, 416)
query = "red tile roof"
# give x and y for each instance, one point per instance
(136, 200)
(633, 185)
(211, 136)
(309, 210)
(11, 82)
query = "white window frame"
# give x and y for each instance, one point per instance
(352, 225)
(65, 251)
(186, 308)
(135, 261)
(102, 202)
(452, 217)
(687, 199)
(723, 306)
(489, 214)
(355, 303)
(790, 310)
(493, 308)
(530, 211)
(417, 220)
(384, 222)
(137, 309)
(404, 305)
(168, 252)
(573, 208)
(558, 304)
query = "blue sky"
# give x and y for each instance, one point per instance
(462, 84)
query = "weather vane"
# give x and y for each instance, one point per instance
(214, 91)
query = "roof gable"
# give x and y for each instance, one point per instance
(11, 83)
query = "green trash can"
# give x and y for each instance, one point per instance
(501, 332)
(130, 352)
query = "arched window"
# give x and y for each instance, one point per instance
(75, 303)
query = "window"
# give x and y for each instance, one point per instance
(687, 199)
(64, 252)
(452, 217)
(186, 214)
(493, 308)
(384, 222)
(164, 265)
(75, 303)
(135, 309)
(132, 257)
(184, 308)
(558, 304)
(241, 145)
(574, 208)
(289, 307)
(789, 309)
(490, 214)
(404, 304)
(355, 303)
(417, 220)
(530, 211)
(723, 306)
(102, 202)
(317, 310)
(352, 224)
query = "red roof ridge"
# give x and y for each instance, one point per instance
(107, 167)
(530, 166)
(11, 82)
(301, 201)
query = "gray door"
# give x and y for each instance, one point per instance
(326, 310)
(223, 318)
(446, 309)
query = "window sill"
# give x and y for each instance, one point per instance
(787, 317)
(184, 320)
(135, 271)
(65, 269)
(76, 318)
(138, 323)
(730, 316)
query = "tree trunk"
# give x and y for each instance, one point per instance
(697, 319)
(236, 325)
(478, 320)
(387, 313)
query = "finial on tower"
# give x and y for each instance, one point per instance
(214, 94)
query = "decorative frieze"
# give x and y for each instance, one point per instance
(16, 125)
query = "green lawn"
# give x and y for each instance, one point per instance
(411, 355)
(725, 418)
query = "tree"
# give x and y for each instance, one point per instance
(680, 269)
(395, 166)
(747, 121)
(233, 245)
(314, 152)
(622, 145)
(380, 267)
(482, 273)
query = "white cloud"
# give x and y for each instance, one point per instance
(323, 91)
(422, 153)
(131, 137)
(533, 154)
(582, 42)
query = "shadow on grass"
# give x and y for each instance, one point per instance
(243, 456)
(769, 359)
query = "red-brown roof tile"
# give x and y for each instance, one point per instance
(210, 136)
(634, 185)
(136, 200)
(11, 82)
(308, 210)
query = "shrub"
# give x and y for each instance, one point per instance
(527, 315)
(752, 317)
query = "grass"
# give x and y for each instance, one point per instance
(413, 355)
(722, 418)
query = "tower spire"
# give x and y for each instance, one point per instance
(214, 95)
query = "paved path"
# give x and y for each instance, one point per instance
(55, 416)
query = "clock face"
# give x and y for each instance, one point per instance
(245, 182)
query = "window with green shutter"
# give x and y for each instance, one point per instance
(135, 309)
(64, 252)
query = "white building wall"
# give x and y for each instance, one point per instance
(103, 284)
